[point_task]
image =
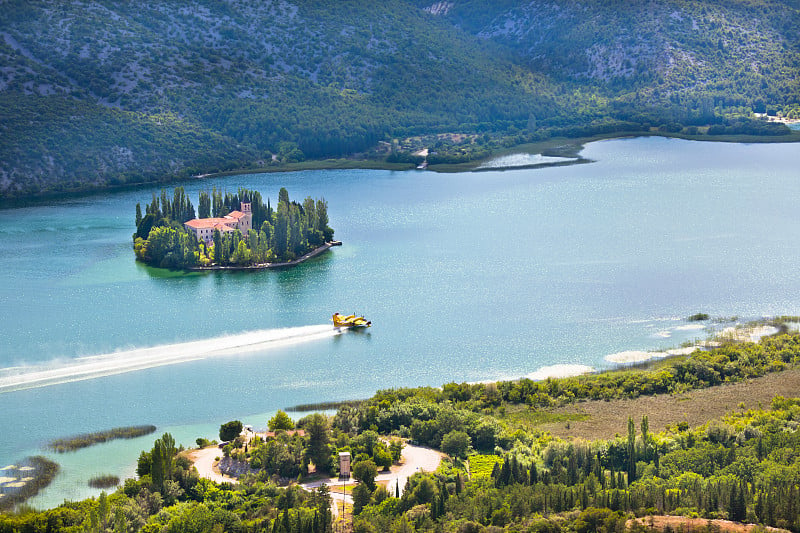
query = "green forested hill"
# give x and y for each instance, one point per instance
(738, 52)
(110, 92)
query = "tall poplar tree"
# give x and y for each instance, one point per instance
(281, 231)
(204, 207)
(645, 438)
(631, 451)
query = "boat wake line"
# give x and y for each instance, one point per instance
(96, 366)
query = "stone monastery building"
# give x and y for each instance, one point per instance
(204, 228)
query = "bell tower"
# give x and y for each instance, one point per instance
(247, 220)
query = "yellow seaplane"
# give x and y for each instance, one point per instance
(350, 321)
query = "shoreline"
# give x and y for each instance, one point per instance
(266, 266)
(743, 334)
(555, 146)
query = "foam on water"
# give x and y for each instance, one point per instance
(559, 371)
(639, 356)
(95, 366)
(551, 371)
(691, 327)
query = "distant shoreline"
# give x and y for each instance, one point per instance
(556, 146)
(265, 266)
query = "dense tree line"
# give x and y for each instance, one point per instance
(283, 234)
(744, 468)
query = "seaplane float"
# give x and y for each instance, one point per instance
(350, 321)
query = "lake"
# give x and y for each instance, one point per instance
(466, 277)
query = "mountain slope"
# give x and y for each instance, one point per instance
(111, 92)
(737, 45)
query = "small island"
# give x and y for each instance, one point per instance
(231, 231)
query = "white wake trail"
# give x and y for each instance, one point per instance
(96, 366)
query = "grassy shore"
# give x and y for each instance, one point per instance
(599, 419)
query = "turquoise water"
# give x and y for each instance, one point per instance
(466, 277)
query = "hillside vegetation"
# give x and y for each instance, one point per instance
(105, 93)
(502, 475)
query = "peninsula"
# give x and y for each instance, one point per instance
(231, 231)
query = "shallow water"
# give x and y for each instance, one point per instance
(523, 160)
(466, 277)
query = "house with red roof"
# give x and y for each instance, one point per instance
(204, 228)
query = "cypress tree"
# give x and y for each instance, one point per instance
(516, 470)
(505, 474)
(759, 506)
(285, 523)
(157, 467)
(770, 514)
(741, 504)
(631, 451)
(204, 206)
(496, 474)
(572, 470)
(645, 438)
(733, 511)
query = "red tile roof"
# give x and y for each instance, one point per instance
(211, 223)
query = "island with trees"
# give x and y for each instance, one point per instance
(230, 231)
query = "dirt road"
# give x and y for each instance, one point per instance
(204, 460)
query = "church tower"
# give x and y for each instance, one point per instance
(246, 222)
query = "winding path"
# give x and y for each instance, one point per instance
(204, 460)
(414, 459)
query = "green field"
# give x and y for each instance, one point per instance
(480, 466)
